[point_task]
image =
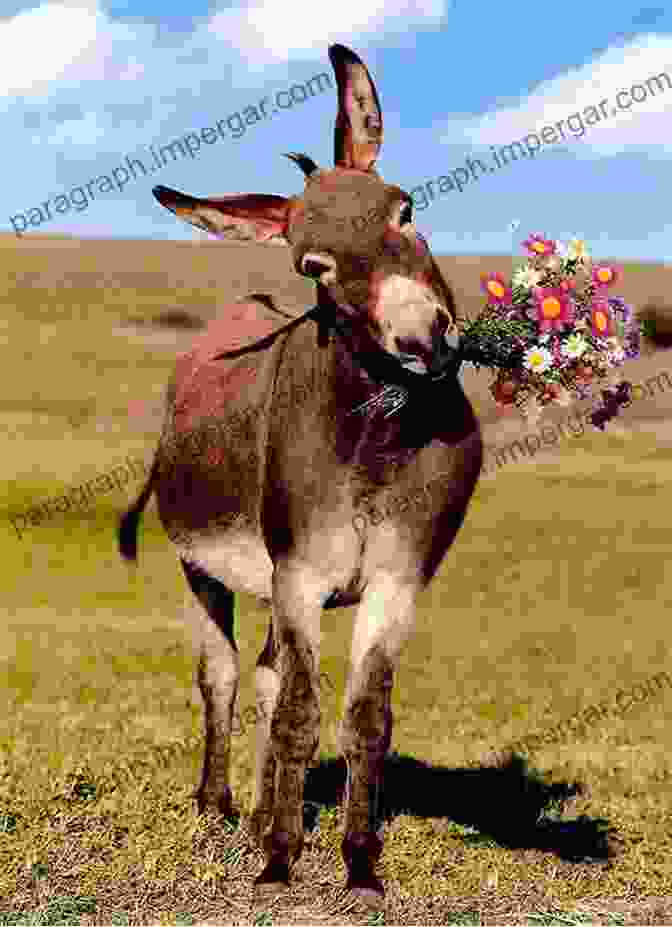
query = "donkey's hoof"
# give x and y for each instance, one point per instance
(274, 878)
(361, 852)
(370, 893)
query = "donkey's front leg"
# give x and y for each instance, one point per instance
(381, 627)
(295, 721)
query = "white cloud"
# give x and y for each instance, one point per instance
(269, 29)
(41, 45)
(642, 125)
(64, 41)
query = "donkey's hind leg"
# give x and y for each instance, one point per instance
(267, 681)
(218, 675)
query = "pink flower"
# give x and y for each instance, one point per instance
(605, 274)
(554, 308)
(539, 246)
(495, 287)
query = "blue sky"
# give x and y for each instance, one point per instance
(86, 83)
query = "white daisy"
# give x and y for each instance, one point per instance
(577, 249)
(526, 277)
(537, 359)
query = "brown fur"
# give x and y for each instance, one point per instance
(264, 475)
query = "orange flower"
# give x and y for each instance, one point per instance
(602, 319)
(554, 309)
(539, 246)
(495, 287)
(605, 274)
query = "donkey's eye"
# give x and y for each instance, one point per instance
(406, 214)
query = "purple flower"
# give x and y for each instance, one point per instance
(612, 400)
(623, 310)
(632, 342)
(623, 393)
(603, 414)
(600, 417)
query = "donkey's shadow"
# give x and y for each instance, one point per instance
(506, 803)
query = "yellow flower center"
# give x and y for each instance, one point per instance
(551, 307)
(604, 275)
(496, 288)
(601, 320)
(539, 247)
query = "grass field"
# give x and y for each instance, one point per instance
(553, 599)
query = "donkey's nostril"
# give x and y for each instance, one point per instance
(319, 266)
(314, 268)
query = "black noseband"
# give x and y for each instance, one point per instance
(387, 369)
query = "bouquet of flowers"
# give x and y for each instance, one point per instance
(554, 334)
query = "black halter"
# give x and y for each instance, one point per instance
(383, 368)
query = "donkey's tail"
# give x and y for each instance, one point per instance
(127, 533)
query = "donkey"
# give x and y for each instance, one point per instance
(353, 402)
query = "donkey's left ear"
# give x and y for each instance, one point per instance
(256, 217)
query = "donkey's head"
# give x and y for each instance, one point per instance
(350, 232)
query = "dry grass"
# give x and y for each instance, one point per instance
(554, 597)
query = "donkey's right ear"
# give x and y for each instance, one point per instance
(256, 217)
(358, 134)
